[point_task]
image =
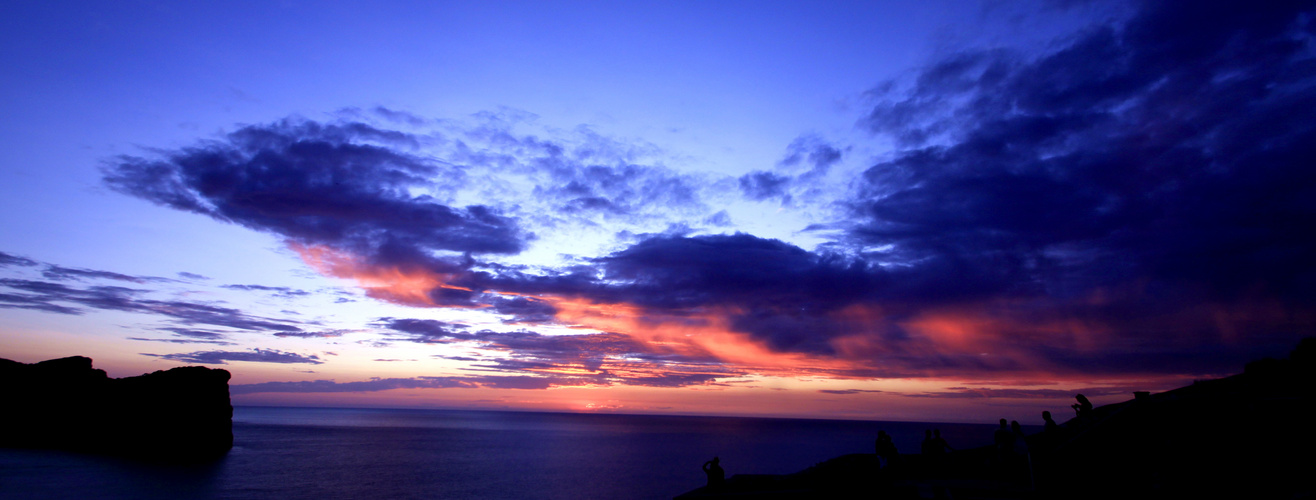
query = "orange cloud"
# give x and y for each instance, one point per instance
(981, 341)
(705, 333)
(391, 283)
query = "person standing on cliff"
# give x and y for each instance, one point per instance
(938, 445)
(886, 450)
(1004, 444)
(716, 476)
(1051, 425)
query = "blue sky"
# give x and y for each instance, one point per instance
(904, 210)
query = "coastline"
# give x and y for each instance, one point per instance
(1204, 440)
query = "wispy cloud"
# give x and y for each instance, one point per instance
(55, 272)
(848, 392)
(974, 393)
(184, 341)
(14, 260)
(51, 297)
(253, 356)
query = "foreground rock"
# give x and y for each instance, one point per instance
(1245, 436)
(182, 414)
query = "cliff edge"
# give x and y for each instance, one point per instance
(1244, 436)
(181, 414)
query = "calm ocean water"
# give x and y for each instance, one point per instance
(377, 453)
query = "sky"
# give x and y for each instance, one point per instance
(945, 211)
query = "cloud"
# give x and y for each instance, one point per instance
(360, 201)
(55, 272)
(524, 310)
(1060, 174)
(315, 334)
(384, 384)
(974, 393)
(456, 358)
(14, 260)
(847, 392)
(425, 330)
(1143, 184)
(277, 291)
(577, 176)
(789, 185)
(760, 185)
(812, 151)
(599, 359)
(1097, 208)
(184, 341)
(44, 295)
(36, 303)
(346, 186)
(372, 385)
(522, 382)
(1132, 199)
(256, 355)
(195, 333)
(782, 293)
(59, 273)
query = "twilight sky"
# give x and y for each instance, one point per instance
(941, 211)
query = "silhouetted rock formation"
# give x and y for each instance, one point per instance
(1243, 436)
(182, 414)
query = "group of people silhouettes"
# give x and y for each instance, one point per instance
(934, 444)
(1012, 454)
(1011, 446)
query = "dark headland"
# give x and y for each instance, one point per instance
(1250, 435)
(177, 415)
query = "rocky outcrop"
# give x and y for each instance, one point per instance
(182, 414)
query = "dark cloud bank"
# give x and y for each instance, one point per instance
(1150, 181)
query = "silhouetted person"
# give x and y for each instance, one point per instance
(934, 450)
(1050, 424)
(1020, 441)
(1083, 407)
(1021, 455)
(926, 447)
(939, 445)
(1004, 443)
(886, 449)
(1004, 438)
(716, 476)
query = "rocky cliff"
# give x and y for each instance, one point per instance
(182, 414)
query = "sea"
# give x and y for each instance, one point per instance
(321, 453)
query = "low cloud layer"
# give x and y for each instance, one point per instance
(52, 297)
(252, 356)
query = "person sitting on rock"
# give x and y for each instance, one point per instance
(716, 476)
(1083, 407)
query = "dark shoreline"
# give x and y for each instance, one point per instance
(1205, 440)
